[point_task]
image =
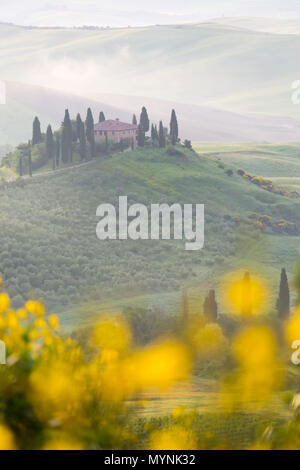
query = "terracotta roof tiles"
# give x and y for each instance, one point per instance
(114, 125)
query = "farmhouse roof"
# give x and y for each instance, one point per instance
(114, 125)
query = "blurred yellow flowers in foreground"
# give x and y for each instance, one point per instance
(246, 294)
(259, 371)
(55, 395)
(293, 328)
(175, 438)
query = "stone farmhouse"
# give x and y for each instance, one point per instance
(115, 131)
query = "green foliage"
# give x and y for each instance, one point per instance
(101, 116)
(50, 146)
(36, 131)
(144, 120)
(141, 137)
(148, 325)
(66, 139)
(161, 136)
(78, 126)
(89, 123)
(213, 430)
(173, 128)
(49, 248)
(82, 142)
(210, 307)
(187, 144)
(283, 302)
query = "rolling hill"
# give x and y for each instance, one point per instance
(279, 163)
(49, 248)
(265, 25)
(24, 102)
(207, 65)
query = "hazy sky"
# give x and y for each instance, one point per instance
(137, 12)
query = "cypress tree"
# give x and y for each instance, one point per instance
(90, 135)
(144, 120)
(67, 138)
(134, 120)
(36, 131)
(174, 128)
(65, 149)
(283, 302)
(210, 307)
(141, 137)
(57, 150)
(82, 140)
(49, 143)
(161, 136)
(101, 117)
(78, 126)
(154, 134)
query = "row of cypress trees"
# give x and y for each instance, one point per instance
(60, 146)
(210, 306)
(157, 135)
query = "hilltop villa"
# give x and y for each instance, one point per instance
(115, 130)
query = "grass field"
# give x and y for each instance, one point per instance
(54, 253)
(280, 163)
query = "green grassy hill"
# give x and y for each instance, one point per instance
(280, 163)
(49, 249)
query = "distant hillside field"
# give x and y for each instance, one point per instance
(280, 163)
(208, 65)
(49, 248)
(196, 122)
(266, 25)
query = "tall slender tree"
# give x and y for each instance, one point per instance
(161, 136)
(50, 148)
(67, 138)
(78, 126)
(57, 150)
(90, 135)
(141, 137)
(82, 143)
(283, 301)
(210, 307)
(174, 128)
(101, 116)
(144, 120)
(134, 120)
(65, 146)
(36, 131)
(154, 134)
